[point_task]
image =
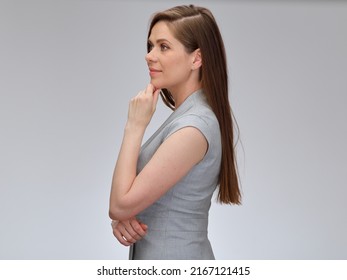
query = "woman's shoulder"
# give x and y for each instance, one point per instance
(200, 116)
(200, 110)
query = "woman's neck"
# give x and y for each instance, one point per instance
(181, 94)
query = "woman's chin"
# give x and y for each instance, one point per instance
(157, 85)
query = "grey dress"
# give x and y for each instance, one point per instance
(178, 221)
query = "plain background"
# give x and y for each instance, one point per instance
(67, 71)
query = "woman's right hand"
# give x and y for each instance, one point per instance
(129, 231)
(142, 106)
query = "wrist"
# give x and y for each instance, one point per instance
(134, 129)
(136, 126)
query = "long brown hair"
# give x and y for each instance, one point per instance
(195, 27)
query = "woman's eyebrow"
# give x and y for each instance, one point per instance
(160, 40)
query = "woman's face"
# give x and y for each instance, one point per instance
(169, 64)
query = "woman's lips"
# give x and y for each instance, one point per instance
(154, 72)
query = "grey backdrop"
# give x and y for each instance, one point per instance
(67, 71)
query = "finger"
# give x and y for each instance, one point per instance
(150, 89)
(141, 93)
(120, 239)
(119, 236)
(144, 227)
(136, 226)
(128, 233)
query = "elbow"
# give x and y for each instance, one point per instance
(122, 208)
(119, 213)
(116, 214)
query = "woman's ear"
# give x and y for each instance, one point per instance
(197, 59)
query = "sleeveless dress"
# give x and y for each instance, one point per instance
(178, 221)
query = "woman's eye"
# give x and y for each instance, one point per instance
(164, 47)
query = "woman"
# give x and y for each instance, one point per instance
(161, 192)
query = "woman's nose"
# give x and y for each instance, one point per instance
(150, 56)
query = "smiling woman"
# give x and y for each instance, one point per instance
(161, 192)
(171, 65)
